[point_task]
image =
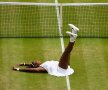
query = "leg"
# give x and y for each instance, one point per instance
(65, 58)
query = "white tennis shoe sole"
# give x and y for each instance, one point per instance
(74, 28)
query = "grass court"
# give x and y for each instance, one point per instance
(89, 59)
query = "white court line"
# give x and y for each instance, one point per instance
(61, 39)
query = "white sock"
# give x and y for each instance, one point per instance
(73, 38)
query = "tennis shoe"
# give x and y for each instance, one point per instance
(73, 28)
(71, 34)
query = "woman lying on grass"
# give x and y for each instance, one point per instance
(56, 68)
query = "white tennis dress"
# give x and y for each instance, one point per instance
(53, 69)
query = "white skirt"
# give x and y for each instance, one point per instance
(53, 69)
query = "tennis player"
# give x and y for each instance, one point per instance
(56, 68)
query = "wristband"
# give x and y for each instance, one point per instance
(24, 63)
(17, 69)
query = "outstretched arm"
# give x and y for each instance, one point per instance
(24, 64)
(33, 70)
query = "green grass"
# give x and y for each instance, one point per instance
(14, 51)
(89, 60)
